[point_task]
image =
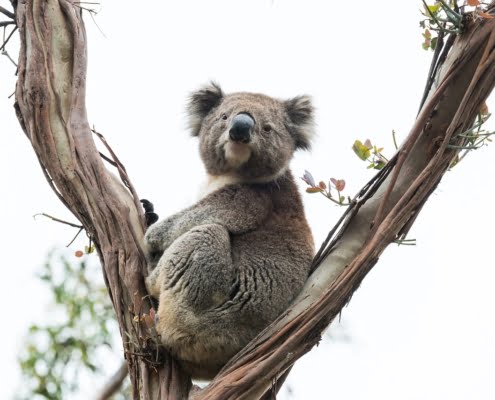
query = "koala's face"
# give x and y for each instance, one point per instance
(248, 135)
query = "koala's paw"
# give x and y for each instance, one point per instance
(152, 286)
(150, 216)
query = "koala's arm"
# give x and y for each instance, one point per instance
(237, 208)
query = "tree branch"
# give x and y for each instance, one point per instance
(389, 204)
(2, 47)
(7, 13)
(114, 383)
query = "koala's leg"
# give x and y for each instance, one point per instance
(193, 279)
(196, 268)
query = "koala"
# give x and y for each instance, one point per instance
(226, 267)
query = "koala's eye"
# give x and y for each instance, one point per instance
(224, 117)
(267, 128)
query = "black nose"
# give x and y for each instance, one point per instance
(242, 126)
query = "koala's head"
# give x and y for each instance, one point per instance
(247, 135)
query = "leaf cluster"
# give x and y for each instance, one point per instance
(334, 185)
(81, 320)
(448, 17)
(372, 154)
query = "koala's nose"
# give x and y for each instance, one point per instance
(242, 126)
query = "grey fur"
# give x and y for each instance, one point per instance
(227, 266)
(201, 103)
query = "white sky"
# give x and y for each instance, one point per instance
(421, 325)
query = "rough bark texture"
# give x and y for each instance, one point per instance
(382, 212)
(50, 99)
(50, 102)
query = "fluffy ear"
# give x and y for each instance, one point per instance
(301, 123)
(201, 103)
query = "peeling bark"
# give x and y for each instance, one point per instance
(382, 212)
(50, 104)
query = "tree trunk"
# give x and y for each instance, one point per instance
(50, 104)
(50, 98)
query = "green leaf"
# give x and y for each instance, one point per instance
(361, 150)
(70, 342)
(313, 190)
(434, 8)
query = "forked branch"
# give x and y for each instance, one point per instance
(50, 102)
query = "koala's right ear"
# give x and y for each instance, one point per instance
(201, 103)
(300, 111)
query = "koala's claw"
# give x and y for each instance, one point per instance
(150, 216)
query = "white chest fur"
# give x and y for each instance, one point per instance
(215, 182)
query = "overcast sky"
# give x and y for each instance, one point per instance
(421, 325)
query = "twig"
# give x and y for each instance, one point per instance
(453, 17)
(97, 26)
(7, 13)
(75, 237)
(114, 383)
(8, 38)
(6, 23)
(122, 172)
(116, 162)
(63, 222)
(4, 53)
(84, 8)
(444, 30)
(431, 73)
(58, 220)
(108, 160)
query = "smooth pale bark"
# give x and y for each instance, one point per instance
(50, 98)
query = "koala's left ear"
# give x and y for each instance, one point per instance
(300, 111)
(201, 103)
